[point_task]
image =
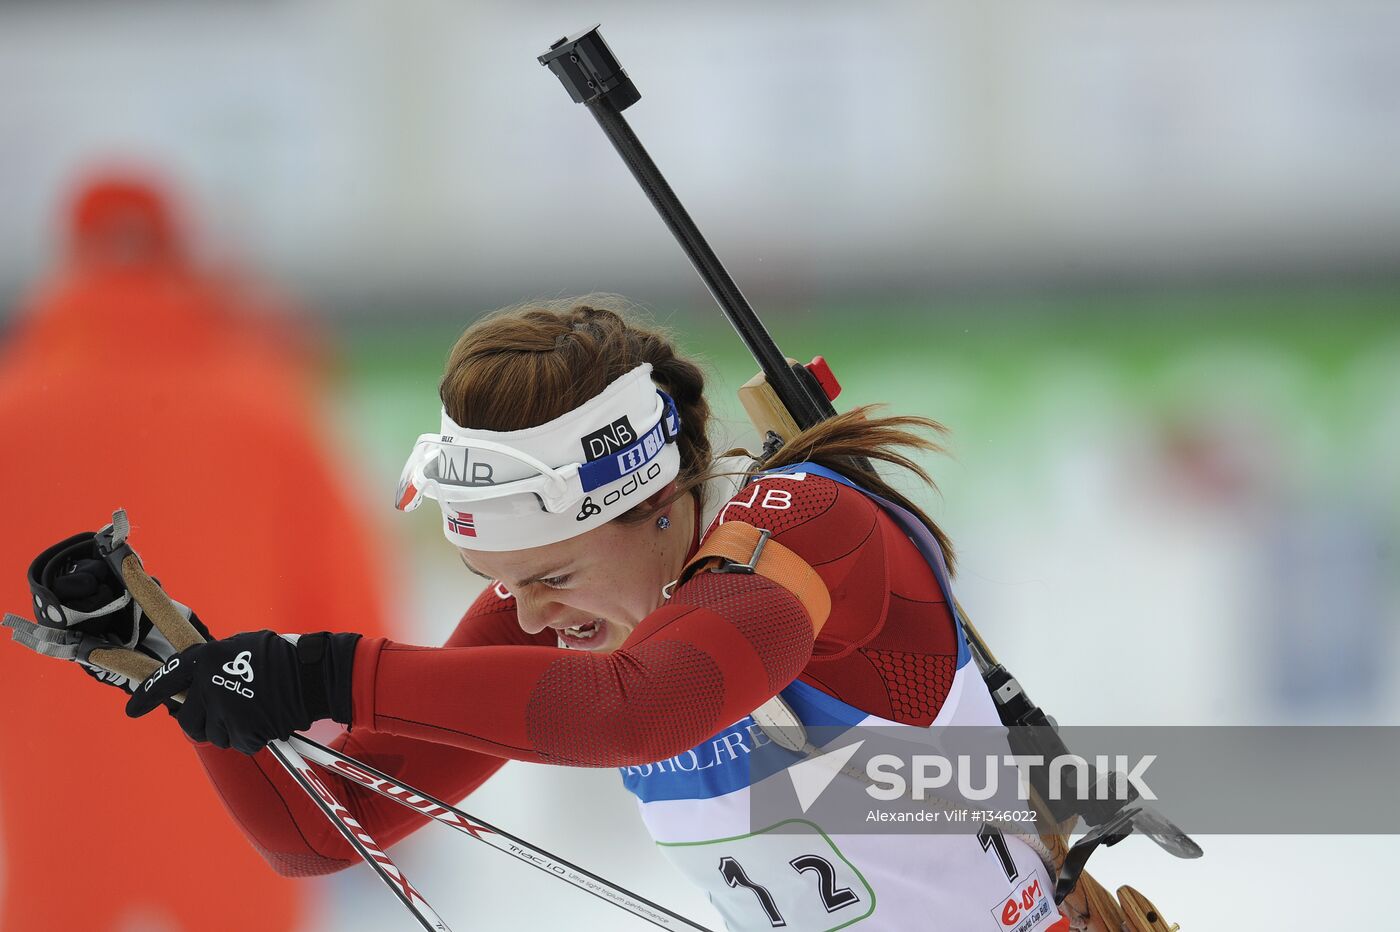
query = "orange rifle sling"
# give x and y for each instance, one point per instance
(736, 546)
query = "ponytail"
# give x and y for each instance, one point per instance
(845, 442)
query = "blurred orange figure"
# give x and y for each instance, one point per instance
(136, 380)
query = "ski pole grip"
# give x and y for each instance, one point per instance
(132, 664)
(157, 605)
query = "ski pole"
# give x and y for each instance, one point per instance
(424, 804)
(137, 667)
(294, 754)
(355, 834)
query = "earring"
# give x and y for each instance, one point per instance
(663, 522)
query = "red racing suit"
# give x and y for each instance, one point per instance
(444, 719)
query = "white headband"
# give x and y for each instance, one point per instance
(510, 490)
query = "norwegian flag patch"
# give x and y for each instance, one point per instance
(462, 523)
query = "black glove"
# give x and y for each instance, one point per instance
(247, 690)
(83, 605)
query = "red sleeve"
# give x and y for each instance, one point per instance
(889, 646)
(720, 647)
(294, 836)
(717, 650)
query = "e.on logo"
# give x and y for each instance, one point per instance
(1024, 908)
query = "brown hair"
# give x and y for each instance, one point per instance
(529, 364)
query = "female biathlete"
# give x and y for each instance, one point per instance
(574, 470)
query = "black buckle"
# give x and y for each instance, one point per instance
(111, 542)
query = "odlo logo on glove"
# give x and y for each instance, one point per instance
(167, 667)
(241, 667)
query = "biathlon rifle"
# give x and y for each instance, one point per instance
(786, 398)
